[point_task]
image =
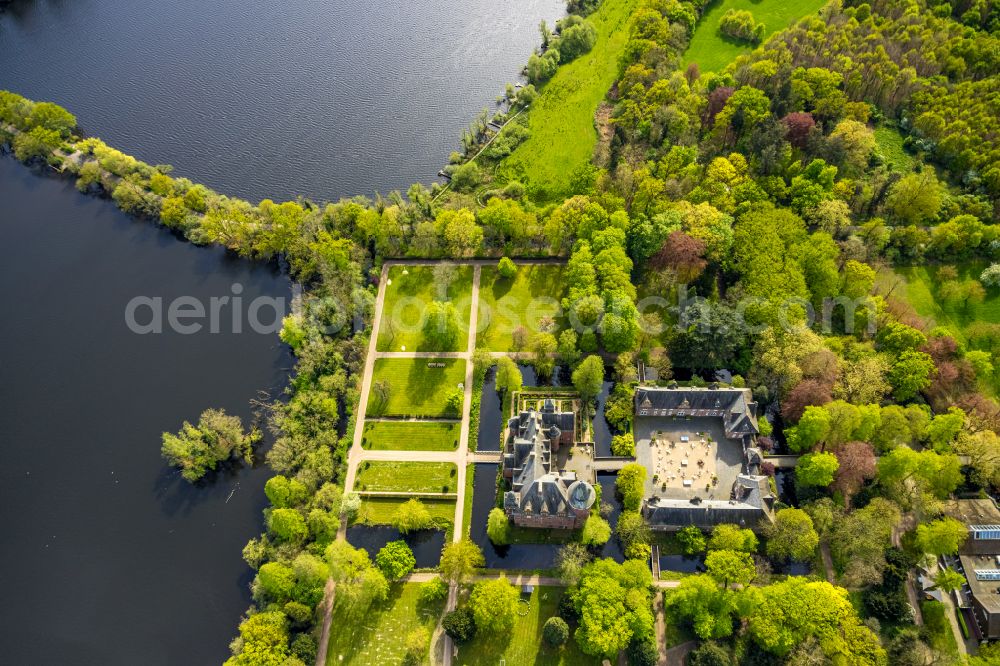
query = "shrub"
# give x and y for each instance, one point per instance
(691, 540)
(991, 276)
(623, 445)
(460, 624)
(506, 268)
(433, 591)
(555, 632)
(395, 560)
(596, 531)
(740, 24)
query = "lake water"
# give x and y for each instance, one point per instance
(262, 99)
(108, 556)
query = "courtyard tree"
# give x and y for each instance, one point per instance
(459, 559)
(631, 484)
(494, 605)
(588, 377)
(395, 560)
(792, 535)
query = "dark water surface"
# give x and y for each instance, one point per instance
(263, 99)
(108, 556)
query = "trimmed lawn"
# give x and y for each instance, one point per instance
(414, 388)
(561, 120)
(410, 436)
(379, 636)
(942, 638)
(713, 51)
(423, 477)
(409, 291)
(890, 144)
(522, 301)
(470, 476)
(380, 510)
(525, 645)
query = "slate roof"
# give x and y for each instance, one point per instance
(750, 506)
(536, 486)
(735, 406)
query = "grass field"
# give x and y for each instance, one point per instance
(380, 510)
(410, 436)
(920, 283)
(523, 301)
(713, 51)
(561, 120)
(379, 636)
(525, 645)
(409, 291)
(414, 477)
(890, 144)
(414, 388)
(470, 476)
(942, 638)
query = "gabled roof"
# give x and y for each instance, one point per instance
(735, 406)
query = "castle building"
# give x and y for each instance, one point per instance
(541, 495)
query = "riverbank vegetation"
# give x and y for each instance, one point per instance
(754, 196)
(218, 437)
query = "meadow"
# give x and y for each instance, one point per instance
(713, 51)
(561, 120)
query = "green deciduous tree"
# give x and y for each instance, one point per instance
(412, 516)
(792, 535)
(459, 560)
(941, 537)
(494, 605)
(263, 641)
(596, 531)
(199, 449)
(816, 469)
(508, 378)
(730, 566)
(588, 377)
(631, 484)
(700, 603)
(727, 536)
(395, 560)
(498, 527)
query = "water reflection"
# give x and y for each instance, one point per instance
(425, 544)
